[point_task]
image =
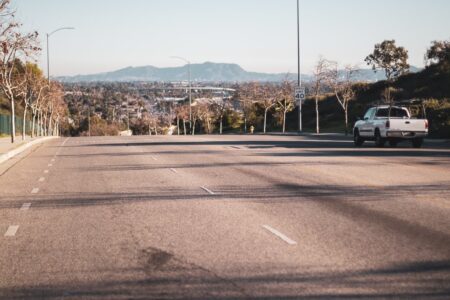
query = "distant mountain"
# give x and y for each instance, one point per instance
(205, 72)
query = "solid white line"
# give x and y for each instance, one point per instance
(25, 206)
(280, 235)
(45, 171)
(41, 179)
(207, 190)
(12, 230)
(35, 191)
(173, 170)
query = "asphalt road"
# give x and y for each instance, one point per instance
(225, 217)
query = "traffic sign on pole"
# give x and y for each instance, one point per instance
(300, 94)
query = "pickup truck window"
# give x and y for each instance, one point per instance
(395, 113)
(369, 114)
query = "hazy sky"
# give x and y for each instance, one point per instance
(260, 35)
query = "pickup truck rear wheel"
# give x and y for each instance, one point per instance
(417, 142)
(379, 141)
(357, 139)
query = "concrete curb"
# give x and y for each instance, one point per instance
(6, 156)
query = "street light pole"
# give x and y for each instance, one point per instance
(48, 48)
(299, 78)
(190, 87)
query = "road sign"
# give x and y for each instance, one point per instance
(300, 94)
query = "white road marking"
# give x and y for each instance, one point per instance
(35, 191)
(207, 190)
(173, 170)
(25, 206)
(41, 179)
(49, 165)
(154, 158)
(12, 230)
(64, 142)
(53, 160)
(45, 171)
(280, 235)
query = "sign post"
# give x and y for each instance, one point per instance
(300, 95)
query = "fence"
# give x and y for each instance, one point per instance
(5, 125)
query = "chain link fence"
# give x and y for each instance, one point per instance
(5, 125)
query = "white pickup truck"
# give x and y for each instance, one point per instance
(392, 124)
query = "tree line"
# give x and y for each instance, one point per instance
(22, 83)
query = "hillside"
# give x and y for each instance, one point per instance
(431, 84)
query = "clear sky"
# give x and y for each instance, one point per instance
(259, 35)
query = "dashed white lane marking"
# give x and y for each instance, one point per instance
(49, 165)
(45, 171)
(154, 158)
(173, 170)
(207, 190)
(25, 206)
(35, 191)
(65, 142)
(280, 235)
(41, 179)
(52, 160)
(12, 230)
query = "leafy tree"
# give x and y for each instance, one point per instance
(390, 58)
(439, 53)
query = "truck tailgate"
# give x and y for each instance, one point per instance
(407, 125)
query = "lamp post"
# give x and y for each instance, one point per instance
(190, 90)
(299, 79)
(48, 49)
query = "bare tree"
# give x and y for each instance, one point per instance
(321, 71)
(342, 86)
(220, 108)
(285, 100)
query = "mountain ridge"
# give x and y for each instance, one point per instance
(203, 72)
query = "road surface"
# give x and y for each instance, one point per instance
(225, 217)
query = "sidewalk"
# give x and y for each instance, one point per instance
(9, 150)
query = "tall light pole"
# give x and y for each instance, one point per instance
(190, 90)
(299, 78)
(48, 48)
